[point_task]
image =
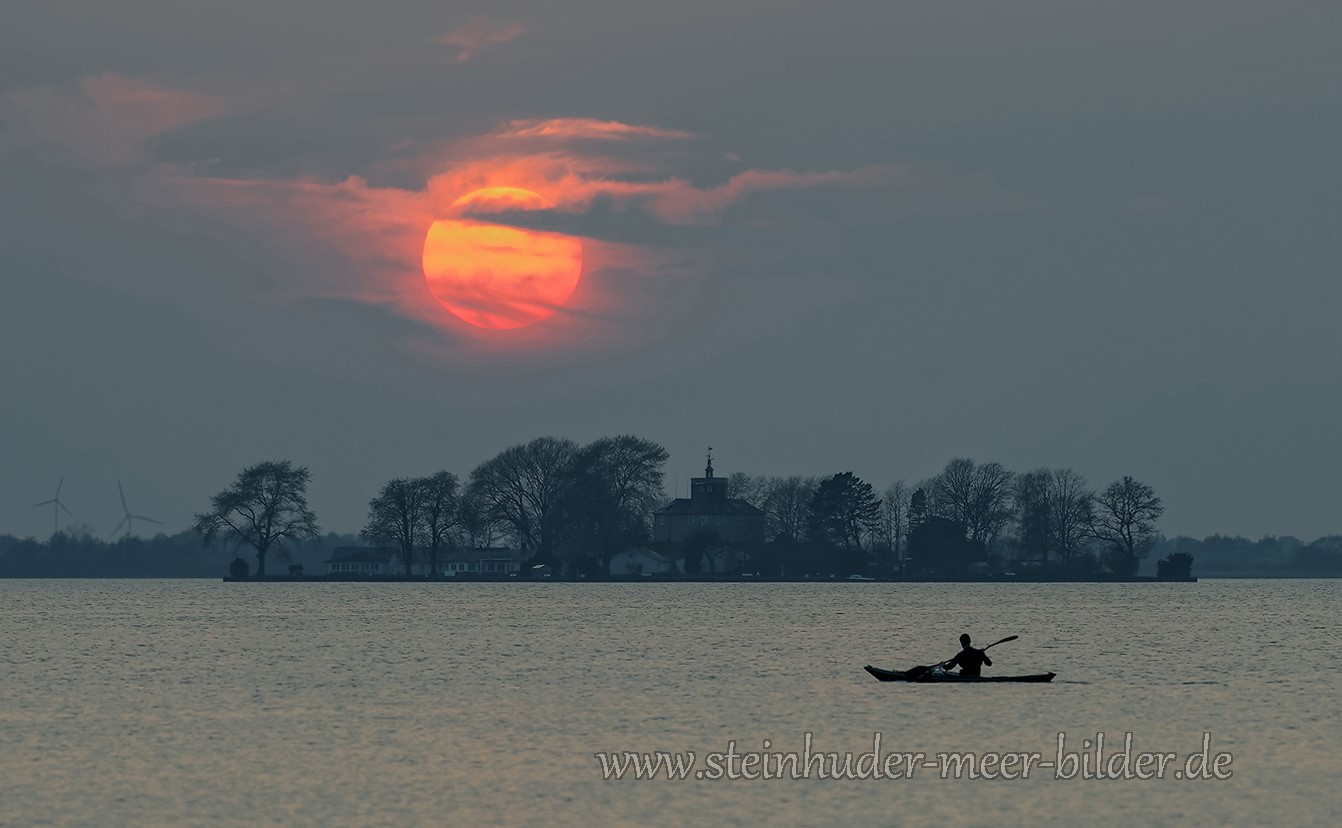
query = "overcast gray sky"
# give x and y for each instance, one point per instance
(818, 236)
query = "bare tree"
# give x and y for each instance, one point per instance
(616, 483)
(1124, 520)
(634, 471)
(441, 505)
(265, 504)
(396, 517)
(480, 527)
(787, 507)
(952, 491)
(1069, 513)
(753, 489)
(977, 496)
(894, 519)
(521, 487)
(1032, 514)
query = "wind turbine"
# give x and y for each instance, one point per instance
(129, 520)
(56, 506)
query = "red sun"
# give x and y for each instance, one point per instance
(497, 277)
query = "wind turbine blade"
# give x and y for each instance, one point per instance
(58, 486)
(117, 529)
(122, 492)
(45, 502)
(146, 519)
(63, 509)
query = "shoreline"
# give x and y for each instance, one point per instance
(706, 579)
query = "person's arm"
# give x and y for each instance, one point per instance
(949, 665)
(987, 661)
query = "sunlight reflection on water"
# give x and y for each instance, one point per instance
(195, 702)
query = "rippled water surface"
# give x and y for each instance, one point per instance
(200, 702)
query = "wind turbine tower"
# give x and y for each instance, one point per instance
(129, 520)
(56, 506)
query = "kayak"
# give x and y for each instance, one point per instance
(936, 676)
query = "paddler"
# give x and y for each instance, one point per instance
(970, 660)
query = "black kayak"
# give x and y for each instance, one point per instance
(926, 676)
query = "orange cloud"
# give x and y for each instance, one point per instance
(584, 128)
(361, 242)
(340, 239)
(108, 118)
(556, 158)
(355, 242)
(478, 34)
(573, 182)
(678, 202)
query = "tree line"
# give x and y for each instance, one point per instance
(76, 552)
(971, 513)
(573, 506)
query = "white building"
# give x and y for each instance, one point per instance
(495, 562)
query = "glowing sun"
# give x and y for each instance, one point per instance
(498, 277)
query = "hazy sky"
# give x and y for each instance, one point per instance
(818, 236)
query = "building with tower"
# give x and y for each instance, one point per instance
(709, 512)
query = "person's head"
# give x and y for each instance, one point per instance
(964, 640)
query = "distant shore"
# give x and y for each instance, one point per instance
(723, 578)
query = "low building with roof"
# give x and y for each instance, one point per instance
(362, 561)
(641, 560)
(381, 561)
(486, 561)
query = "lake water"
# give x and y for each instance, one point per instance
(201, 703)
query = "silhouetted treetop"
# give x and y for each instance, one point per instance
(265, 504)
